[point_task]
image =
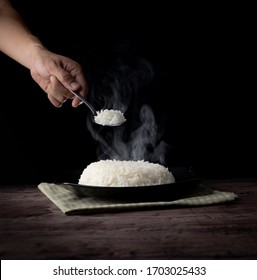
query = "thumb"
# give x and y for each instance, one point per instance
(66, 79)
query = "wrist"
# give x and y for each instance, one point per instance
(34, 51)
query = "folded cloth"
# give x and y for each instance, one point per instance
(70, 203)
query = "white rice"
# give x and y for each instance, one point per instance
(109, 117)
(125, 173)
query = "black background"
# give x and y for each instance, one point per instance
(202, 88)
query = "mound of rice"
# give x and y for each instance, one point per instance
(109, 117)
(125, 173)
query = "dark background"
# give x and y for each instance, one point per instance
(201, 90)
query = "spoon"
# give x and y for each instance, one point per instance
(93, 110)
(103, 117)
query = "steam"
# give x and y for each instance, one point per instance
(140, 137)
(145, 142)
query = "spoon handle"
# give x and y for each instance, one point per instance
(85, 101)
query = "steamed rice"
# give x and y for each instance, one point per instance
(109, 117)
(125, 173)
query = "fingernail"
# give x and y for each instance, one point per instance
(74, 85)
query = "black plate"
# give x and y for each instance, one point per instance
(185, 182)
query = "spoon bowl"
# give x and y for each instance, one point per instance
(103, 117)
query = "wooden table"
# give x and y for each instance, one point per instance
(32, 227)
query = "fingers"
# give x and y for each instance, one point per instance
(60, 89)
(55, 102)
(57, 75)
(57, 93)
(71, 75)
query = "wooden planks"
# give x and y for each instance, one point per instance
(31, 227)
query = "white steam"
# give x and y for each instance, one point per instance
(139, 138)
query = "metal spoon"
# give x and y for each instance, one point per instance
(94, 112)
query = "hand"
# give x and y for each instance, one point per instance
(56, 74)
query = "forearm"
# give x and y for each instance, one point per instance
(16, 40)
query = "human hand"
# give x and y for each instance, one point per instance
(56, 75)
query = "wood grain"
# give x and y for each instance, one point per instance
(32, 227)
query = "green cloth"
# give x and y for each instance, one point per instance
(70, 203)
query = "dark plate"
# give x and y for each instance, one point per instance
(185, 182)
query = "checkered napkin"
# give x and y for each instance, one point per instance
(70, 203)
